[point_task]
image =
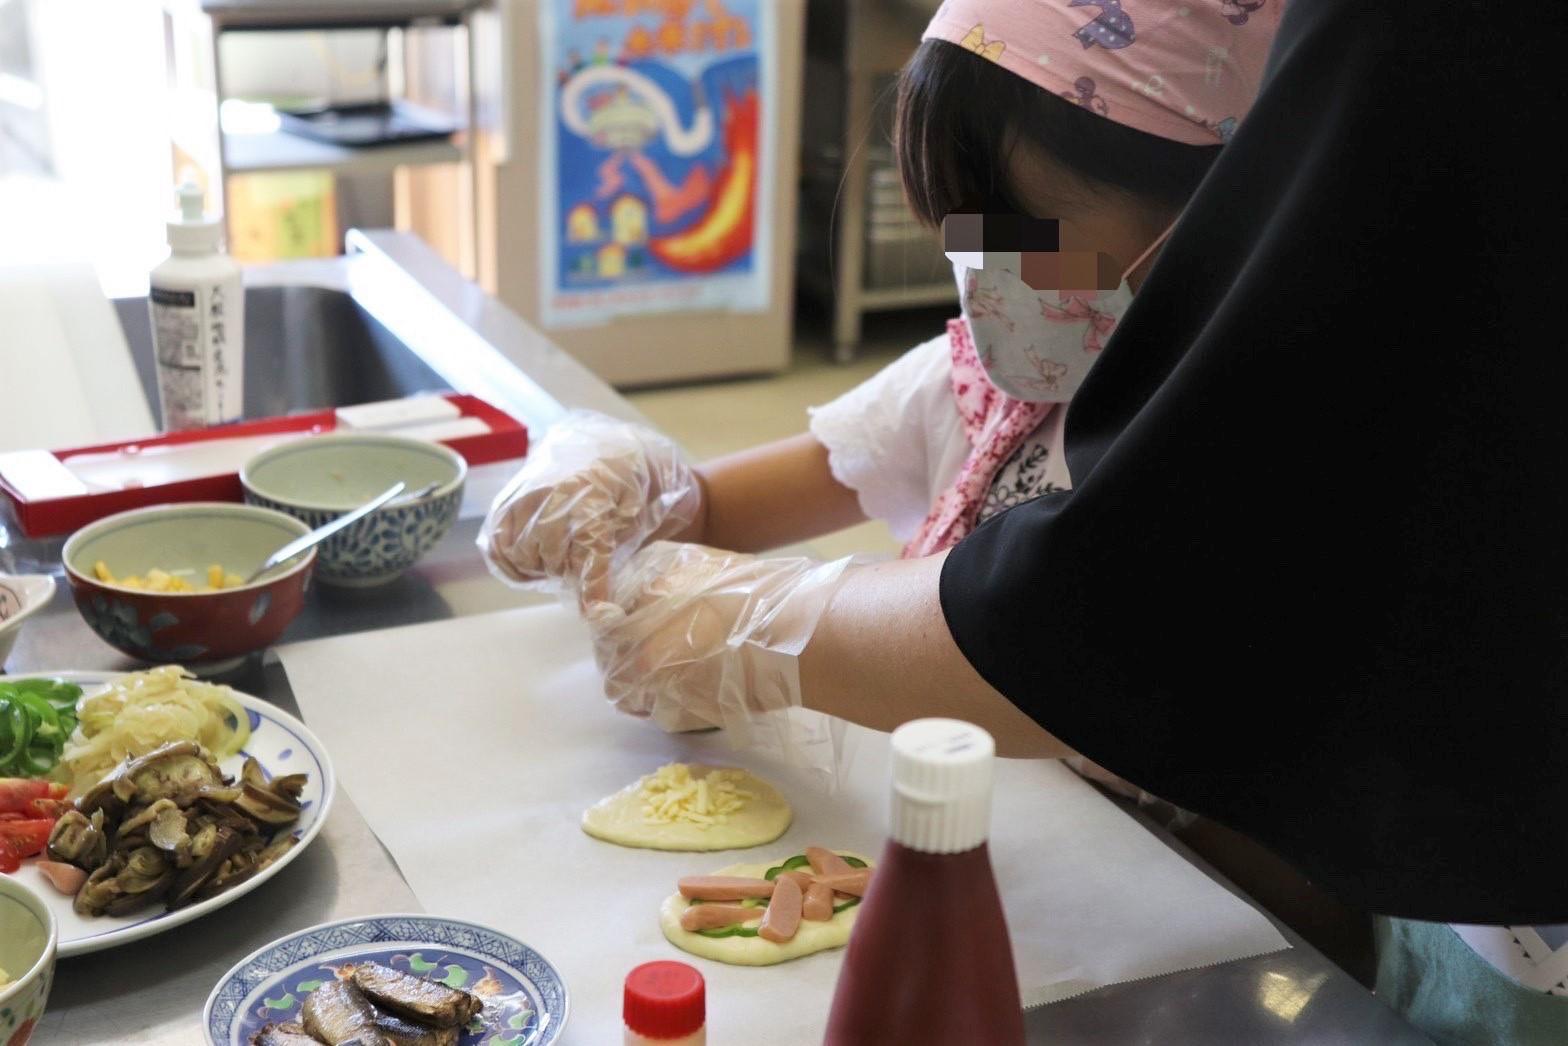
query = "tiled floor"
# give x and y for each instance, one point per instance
(718, 417)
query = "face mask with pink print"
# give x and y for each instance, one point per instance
(1036, 345)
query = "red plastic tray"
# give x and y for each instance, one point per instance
(507, 439)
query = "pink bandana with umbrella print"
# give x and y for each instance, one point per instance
(1186, 70)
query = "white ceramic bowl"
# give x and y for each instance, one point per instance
(318, 479)
(28, 937)
(21, 595)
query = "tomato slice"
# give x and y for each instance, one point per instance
(19, 839)
(54, 809)
(17, 793)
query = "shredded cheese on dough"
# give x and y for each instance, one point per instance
(670, 795)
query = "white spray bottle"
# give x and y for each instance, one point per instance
(198, 322)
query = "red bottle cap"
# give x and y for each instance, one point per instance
(664, 1000)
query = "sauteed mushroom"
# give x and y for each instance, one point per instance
(290, 785)
(169, 825)
(100, 889)
(145, 878)
(162, 820)
(225, 842)
(168, 830)
(246, 864)
(126, 882)
(79, 840)
(262, 799)
(181, 771)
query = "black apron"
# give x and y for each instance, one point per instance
(1312, 579)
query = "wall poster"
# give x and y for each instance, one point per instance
(654, 167)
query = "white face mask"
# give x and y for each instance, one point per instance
(1036, 345)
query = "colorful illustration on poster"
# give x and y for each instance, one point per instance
(654, 172)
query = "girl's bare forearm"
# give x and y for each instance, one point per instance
(772, 495)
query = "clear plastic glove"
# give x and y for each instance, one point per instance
(592, 492)
(694, 637)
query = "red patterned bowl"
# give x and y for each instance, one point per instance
(203, 630)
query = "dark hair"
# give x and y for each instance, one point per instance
(961, 115)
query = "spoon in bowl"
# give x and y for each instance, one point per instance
(326, 530)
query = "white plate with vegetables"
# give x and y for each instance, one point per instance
(155, 834)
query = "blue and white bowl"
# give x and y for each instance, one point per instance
(525, 998)
(318, 479)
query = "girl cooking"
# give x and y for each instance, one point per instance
(1309, 580)
(1108, 132)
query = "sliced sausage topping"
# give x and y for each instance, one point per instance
(852, 883)
(802, 879)
(783, 917)
(713, 916)
(826, 862)
(818, 904)
(724, 888)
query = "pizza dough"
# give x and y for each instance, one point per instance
(689, 821)
(757, 951)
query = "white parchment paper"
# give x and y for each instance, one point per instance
(474, 745)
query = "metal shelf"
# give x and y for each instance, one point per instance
(281, 151)
(193, 29)
(238, 15)
(876, 299)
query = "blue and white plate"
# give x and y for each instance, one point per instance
(282, 745)
(525, 999)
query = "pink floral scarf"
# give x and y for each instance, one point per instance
(996, 425)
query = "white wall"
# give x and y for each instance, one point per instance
(101, 62)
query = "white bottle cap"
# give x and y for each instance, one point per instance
(191, 231)
(942, 770)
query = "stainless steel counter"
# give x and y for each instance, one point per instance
(152, 991)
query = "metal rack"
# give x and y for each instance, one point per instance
(199, 89)
(860, 247)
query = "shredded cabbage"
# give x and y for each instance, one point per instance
(142, 710)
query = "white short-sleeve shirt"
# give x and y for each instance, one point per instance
(898, 442)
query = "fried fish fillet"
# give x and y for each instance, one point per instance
(406, 1033)
(283, 1035)
(338, 1015)
(426, 1002)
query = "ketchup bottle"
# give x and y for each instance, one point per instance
(929, 959)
